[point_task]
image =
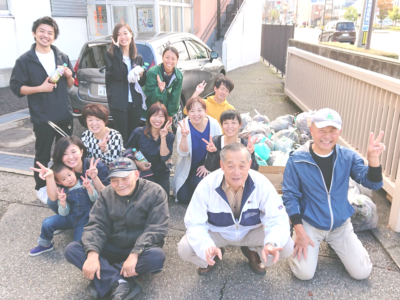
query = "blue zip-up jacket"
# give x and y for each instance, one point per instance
(305, 192)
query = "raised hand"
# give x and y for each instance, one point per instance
(184, 130)
(200, 87)
(115, 43)
(210, 145)
(86, 182)
(92, 171)
(164, 131)
(43, 171)
(271, 250)
(375, 149)
(62, 197)
(210, 253)
(103, 144)
(202, 171)
(46, 86)
(250, 144)
(161, 84)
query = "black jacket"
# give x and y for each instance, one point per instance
(117, 80)
(212, 159)
(137, 222)
(43, 107)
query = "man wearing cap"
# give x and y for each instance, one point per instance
(123, 238)
(315, 187)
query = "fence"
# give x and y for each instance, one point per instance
(274, 44)
(367, 101)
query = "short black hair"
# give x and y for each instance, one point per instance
(48, 21)
(222, 79)
(58, 167)
(230, 114)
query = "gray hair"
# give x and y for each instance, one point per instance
(234, 147)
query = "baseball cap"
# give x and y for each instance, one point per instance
(121, 167)
(327, 117)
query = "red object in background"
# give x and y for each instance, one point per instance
(278, 2)
(76, 82)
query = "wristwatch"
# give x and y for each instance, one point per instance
(272, 244)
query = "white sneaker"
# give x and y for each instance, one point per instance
(42, 195)
(58, 231)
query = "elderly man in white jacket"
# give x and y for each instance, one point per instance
(235, 206)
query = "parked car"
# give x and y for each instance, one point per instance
(339, 31)
(196, 61)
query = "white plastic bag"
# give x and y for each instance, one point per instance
(260, 118)
(290, 133)
(365, 216)
(284, 144)
(254, 128)
(301, 121)
(246, 119)
(282, 122)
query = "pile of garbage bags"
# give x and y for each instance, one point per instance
(277, 138)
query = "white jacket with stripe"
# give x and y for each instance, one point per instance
(209, 210)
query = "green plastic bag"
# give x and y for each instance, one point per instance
(262, 150)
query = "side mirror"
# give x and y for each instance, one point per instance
(214, 55)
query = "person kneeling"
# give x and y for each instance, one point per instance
(125, 233)
(235, 206)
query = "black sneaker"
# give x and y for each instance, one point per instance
(171, 168)
(92, 292)
(124, 290)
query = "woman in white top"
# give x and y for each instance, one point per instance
(125, 76)
(100, 141)
(191, 149)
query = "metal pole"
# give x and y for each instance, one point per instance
(218, 19)
(371, 25)
(360, 29)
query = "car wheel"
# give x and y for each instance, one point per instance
(179, 116)
(351, 43)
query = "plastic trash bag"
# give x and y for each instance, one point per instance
(258, 137)
(262, 150)
(358, 189)
(289, 133)
(284, 144)
(270, 144)
(281, 123)
(304, 138)
(246, 119)
(281, 160)
(272, 157)
(260, 161)
(301, 121)
(260, 118)
(254, 128)
(365, 216)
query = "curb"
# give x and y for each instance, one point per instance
(19, 143)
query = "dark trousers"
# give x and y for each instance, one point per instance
(186, 191)
(45, 136)
(111, 260)
(126, 121)
(162, 180)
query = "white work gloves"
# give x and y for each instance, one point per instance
(134, 74)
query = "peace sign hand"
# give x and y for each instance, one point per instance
(184, 131)
(250, 144)
(115, 43)
(92, 171)
(103, 144)
(161, 84)
(43, 171)
(210, 145)
(200, 87)
(62, 197)
(164, 131)
(375, 149)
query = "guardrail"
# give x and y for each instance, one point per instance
(367, 102)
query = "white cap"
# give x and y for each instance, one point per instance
(327, 117)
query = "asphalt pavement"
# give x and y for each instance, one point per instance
(50, 276)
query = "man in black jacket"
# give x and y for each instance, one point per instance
(47, 101)
(126, 230)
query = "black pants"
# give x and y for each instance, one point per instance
(162, 180)
(125, 121)
(111, 260)
(186, 191)
(45, 135)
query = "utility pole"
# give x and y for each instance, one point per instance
(371, 25)
(218, 19)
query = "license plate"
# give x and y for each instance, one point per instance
(102, 90)
(345, 34)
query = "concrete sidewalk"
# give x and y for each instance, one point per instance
(49, 276)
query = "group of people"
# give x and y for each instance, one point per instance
(117, 203)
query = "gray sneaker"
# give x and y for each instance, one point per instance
(58, 231)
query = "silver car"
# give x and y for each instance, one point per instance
(196, 61)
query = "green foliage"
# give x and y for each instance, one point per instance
(384, 7)
(351, 14)
(394, 15)
(355, 48)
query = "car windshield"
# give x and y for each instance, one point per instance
(345, 26)
(95, 56)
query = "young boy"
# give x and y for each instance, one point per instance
(47, 101)
(216, 104)
(75, 201)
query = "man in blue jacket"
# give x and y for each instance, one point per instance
(315, 187)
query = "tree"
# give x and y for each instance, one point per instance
(394, 15)
(351, 14)
(384, 7)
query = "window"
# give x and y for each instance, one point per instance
(145, 18)
(146, 54)
(164, 18)
(3, 5)
(345, 26)
(196, 50)
(97, 18)
(176, 18)
(63, 8)
(187, 17)
(123, 14)
(180, 46)
(94, 57)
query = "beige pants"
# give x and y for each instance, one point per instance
(254, 240)
(346, 245)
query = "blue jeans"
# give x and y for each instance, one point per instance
(186, 191)
(111, 260)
